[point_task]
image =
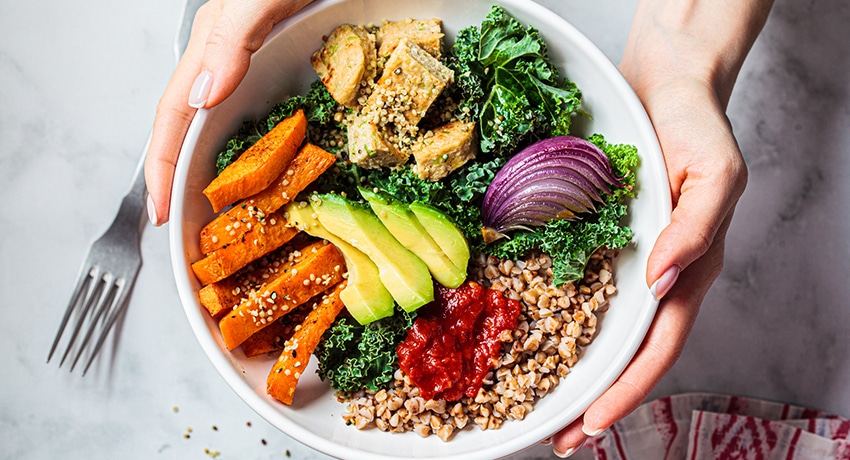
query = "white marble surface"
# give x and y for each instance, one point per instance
(78, 86)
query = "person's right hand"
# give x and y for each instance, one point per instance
(225, 34)
(707, 176)
(682, 59)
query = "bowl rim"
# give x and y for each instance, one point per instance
(227, 368)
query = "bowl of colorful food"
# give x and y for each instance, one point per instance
(420, 229)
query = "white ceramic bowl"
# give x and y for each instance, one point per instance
(281, 68)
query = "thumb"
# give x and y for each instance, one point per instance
(706, 200)
(707, 176)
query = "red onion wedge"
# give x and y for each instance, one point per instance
(556, 178)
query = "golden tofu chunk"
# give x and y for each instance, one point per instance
(444, 149)
(369, 148)
(427, 33)
(411, 81)
(346, 62)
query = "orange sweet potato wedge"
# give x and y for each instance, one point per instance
(296, 352)
(310, 162)
(259, 241)
(221, 296)
(320, 268)
(258, 166)
(272, 338)
(218, 298)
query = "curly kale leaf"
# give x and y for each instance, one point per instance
(319, 108)
(352, 356)
(468, 72)
(625, 161)
(507, 83)
(570, 243)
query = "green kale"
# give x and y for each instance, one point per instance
(625, 161)
(570, 243)
(352, 356)
(508, 84)
(319, 108)
(463, 60)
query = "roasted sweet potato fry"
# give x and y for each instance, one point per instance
(220, 297)
(259, 241)
(272, 338)
(317, 270)
(310, 162)
(258, 166)
(297, 350)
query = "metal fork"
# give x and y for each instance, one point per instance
(106, 277)
(108, 273)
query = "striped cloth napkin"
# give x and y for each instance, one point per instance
(697, 426)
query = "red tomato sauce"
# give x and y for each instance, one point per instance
(455, 339)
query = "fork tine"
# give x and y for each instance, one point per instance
(81, 285)
(95, 292)
(123, 288)
(107, 299)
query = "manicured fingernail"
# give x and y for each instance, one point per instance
(200, 89)
(546, 441)
(662, 285)
(152, 212)
(569, 452)
(592, 433)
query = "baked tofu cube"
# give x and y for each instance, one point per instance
(444, 149)
(411, 81)
(346, 63)
(427, 33)
(368, 147)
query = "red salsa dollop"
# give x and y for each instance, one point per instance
(454, 340)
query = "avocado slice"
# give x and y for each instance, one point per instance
(444, 232)
(405, 227)
(404, 275)
(365, 297)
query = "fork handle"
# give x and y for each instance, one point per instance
(133, 202)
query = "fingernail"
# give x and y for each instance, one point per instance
(200, 90)
(569, 452)
(662, 285)
(592, 433)
(152, 212)
(546, 441)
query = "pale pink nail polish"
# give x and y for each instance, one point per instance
(663, 284)
(152, 212)
(201, 89)
(592, 433)
(569, 452)
(565, 454)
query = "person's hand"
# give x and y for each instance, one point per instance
(707, 176)
(682, 61)
(225, 34)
